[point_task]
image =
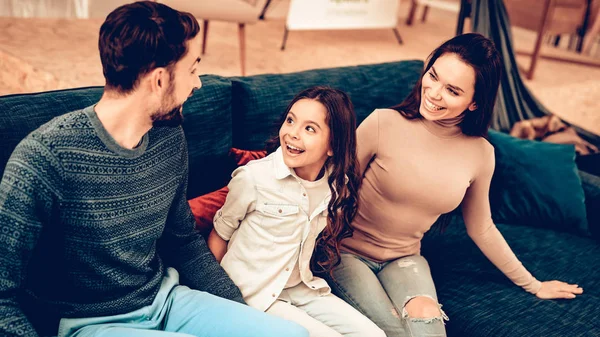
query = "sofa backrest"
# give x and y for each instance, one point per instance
(207, 125)
(259, 101)
(226, 112)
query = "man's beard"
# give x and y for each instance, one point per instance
(167, 115)
(172, 118)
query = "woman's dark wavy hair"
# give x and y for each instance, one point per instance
(478, 52)
(343, 205)
(139, 37)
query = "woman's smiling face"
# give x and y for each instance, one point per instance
(447, 89)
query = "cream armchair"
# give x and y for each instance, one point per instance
(241, 12)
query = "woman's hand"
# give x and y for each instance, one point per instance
(558, 289)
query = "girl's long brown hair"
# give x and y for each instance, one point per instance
(343, 205)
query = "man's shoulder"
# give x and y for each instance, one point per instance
(66, 123)
(52, 134)
(168, 143)
(35, 156)
(167, 133)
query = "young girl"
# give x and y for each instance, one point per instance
(277, 207)
(422, 159)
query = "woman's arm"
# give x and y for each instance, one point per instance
(367, 136)
(483, 231)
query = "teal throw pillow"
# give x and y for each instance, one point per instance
(537, 184)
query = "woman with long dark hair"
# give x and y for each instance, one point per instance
(279, 208)
(420, 160)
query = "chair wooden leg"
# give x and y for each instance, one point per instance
(397, 34)
(204, 35)
(285, 36)
(463, 14)
(242, 36)
(264, 10)
(425, 11)
(591, 35)
(411, 12)
(540, 36)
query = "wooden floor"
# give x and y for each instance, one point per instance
(47, 54)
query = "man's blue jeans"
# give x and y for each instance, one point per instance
(178, 311)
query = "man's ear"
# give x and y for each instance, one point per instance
(158, 79)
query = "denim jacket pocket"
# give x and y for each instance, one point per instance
(279, 219)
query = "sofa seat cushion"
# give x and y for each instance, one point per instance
(481, 301)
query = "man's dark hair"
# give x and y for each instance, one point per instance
(140, 37)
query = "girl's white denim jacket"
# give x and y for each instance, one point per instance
(268, 231)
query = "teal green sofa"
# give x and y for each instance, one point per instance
(241, 112)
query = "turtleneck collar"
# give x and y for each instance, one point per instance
(445, 128)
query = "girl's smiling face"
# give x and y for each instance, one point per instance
(305, 138)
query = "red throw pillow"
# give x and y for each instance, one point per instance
(242, 157)
(205, 207)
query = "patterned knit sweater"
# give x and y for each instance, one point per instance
(87, 227)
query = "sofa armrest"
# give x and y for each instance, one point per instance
(591, 188)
